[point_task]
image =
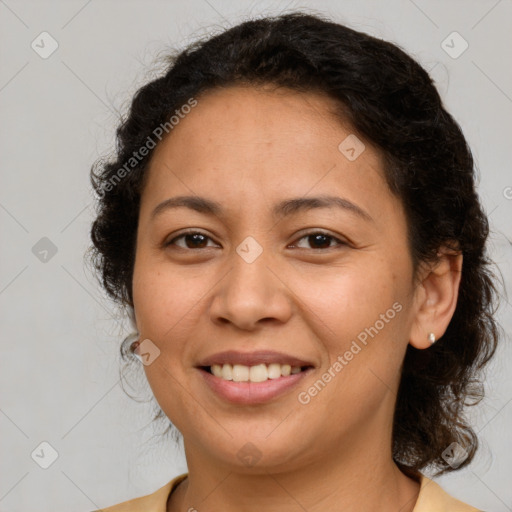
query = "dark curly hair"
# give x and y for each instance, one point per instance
(388, 99)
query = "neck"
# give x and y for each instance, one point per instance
(356, 480)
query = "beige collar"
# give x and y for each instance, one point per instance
(432, 498)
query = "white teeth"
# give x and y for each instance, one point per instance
(240, 373)
(258, 373)
(217, 370)
(226, 372)
(274, 371)
(286, 369)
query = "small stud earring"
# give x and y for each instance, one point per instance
(431, 338)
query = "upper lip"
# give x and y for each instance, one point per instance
(253, 358)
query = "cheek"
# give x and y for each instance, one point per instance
(164, 305)
(347, 299)
(163, 300)
(359, 314)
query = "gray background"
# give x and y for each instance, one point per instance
(59, 368)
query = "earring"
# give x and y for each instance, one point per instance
(431, 338)
(132, 341)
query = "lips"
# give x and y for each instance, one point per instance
(261, 387)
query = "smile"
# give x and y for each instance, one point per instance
(258, 373)
(244, 385)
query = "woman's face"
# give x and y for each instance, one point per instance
(273, 276)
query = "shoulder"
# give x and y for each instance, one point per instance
(433, 498)
(154, 502)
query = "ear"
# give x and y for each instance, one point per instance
(436, 298)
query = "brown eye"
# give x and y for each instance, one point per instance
(320, 240)
(193, 240)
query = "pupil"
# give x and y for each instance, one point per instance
(197, 239)
(317, 240)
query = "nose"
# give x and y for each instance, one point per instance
(251, 294)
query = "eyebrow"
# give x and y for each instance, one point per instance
(283, 209)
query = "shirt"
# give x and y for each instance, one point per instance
(431, 498)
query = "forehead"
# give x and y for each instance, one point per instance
(277, 117)
(244, 142)
(237, 122)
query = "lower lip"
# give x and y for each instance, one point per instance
(249, 393)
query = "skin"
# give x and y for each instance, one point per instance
(249, 148)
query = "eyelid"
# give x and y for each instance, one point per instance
(299, 236)
(189, 231)
(319, 231)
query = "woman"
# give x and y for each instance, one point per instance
(291, 222)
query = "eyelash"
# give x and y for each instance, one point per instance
(306, 235)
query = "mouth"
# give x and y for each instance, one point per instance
(257, 373)
(252, 378)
